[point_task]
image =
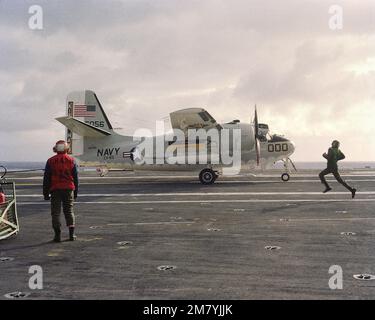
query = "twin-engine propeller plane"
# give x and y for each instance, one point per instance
(216, 147)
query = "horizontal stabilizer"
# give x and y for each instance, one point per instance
(82, 129)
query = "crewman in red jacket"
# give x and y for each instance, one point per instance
(60, 185)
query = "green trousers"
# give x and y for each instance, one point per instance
(337, 176)
(64, 198)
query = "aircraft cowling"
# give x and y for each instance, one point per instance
(247, 137)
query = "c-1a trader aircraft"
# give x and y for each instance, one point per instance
(94, 142)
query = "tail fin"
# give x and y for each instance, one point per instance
(81, 128)
(85, 107)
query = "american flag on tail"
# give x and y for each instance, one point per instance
(83, 110)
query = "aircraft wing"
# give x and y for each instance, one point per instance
(193, 118)
(82, 128)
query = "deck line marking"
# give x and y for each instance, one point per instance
(290, 181)
(327, 219)
(194, 176)
(207, 201)
(149, 223)
(199, 194)
(217, 182)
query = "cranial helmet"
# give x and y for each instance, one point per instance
(61, 147)
(335, 144)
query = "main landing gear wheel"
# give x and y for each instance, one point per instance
(207, 176)
(285, 177)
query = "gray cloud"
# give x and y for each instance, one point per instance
(147, 58)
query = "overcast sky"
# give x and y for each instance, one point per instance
(145, 59)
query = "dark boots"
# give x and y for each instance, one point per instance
(72, 236)
(327, 189)
(57, 237)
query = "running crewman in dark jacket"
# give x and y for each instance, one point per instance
(61, 182)
(334, 155)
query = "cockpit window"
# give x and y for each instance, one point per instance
(263, 138)
(277, 138)
(206, 116)
(266, 136)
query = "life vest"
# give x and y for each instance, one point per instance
(61, 166)
(2, 198)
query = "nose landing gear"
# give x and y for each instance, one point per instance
(286, 175)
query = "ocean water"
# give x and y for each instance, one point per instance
(322, 164)
(19, 165)
(22, 165)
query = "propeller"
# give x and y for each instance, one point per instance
(256, 136)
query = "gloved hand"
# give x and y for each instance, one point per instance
(47, 197)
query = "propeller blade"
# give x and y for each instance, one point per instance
(257, 149)
(256, 124)
(256, 136)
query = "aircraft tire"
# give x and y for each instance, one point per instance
(285, 177)
(207, 176)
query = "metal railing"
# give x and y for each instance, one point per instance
(8, 211)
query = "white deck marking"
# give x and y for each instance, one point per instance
(177, 194)
(278, 181)
(149, 223)
(194, 176)
(290, 181)
(114, 178)
(326, 219)
(207, 201)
